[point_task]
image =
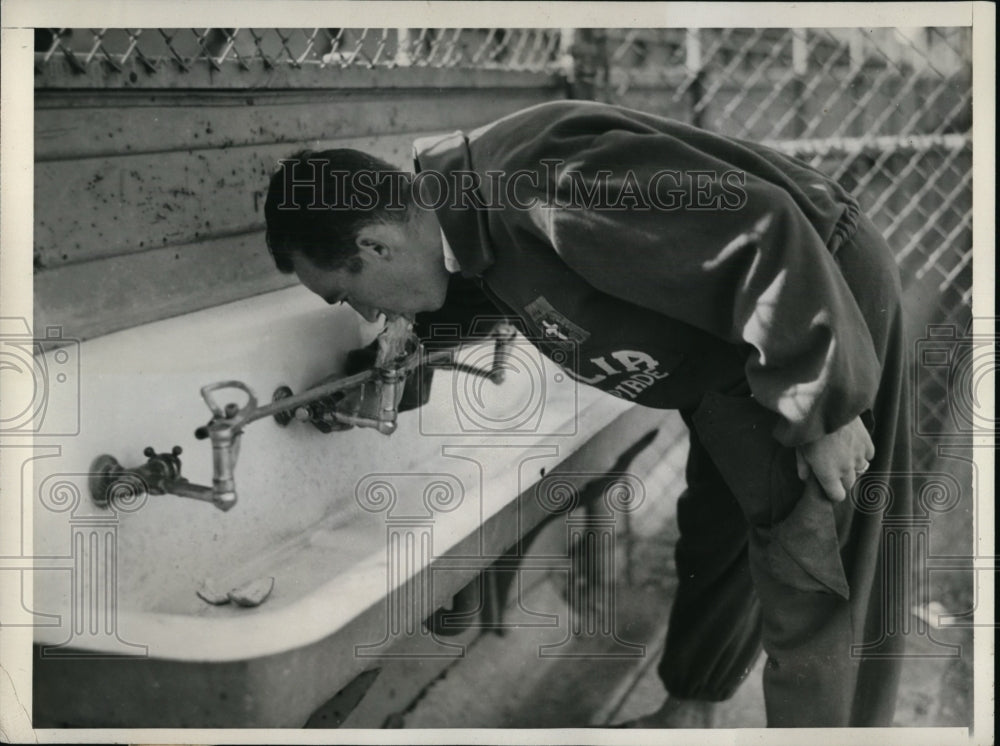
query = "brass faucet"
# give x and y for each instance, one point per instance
(161, 474)
(378, 391)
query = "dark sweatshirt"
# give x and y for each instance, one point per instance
(663, 260)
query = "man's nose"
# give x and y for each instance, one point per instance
(368, 313)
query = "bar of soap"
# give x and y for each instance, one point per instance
(211, 594)
(253, 593)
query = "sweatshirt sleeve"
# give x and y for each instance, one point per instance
(737, 260)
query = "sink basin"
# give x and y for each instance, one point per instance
(122, 638)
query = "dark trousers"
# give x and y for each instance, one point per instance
(760, 566)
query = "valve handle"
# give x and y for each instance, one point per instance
(150, 452)
(229, 412)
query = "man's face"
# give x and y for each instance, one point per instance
(402, 271)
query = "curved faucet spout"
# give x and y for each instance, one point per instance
(221, 498)
(224, 430)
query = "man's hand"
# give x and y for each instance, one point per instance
(837, 459)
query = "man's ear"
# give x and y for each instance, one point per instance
(371, 243)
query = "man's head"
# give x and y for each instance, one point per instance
(343, 221)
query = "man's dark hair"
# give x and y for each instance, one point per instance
(315, 208)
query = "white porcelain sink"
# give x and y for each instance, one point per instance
(123, 581)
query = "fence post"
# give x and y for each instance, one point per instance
(695, 65)
(588, 73)
(800, 67)
(403, 57)
(567, 37)
(856, 52)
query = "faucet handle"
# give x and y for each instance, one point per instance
(230, 411)
(169, 461)
(150, 452)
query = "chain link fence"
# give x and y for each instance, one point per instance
(885, 111)
(181, 50)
